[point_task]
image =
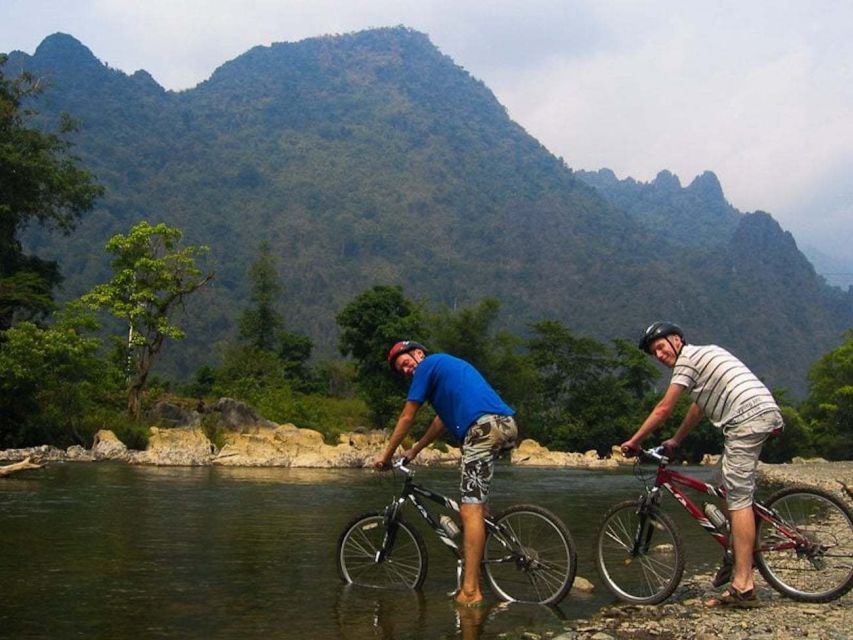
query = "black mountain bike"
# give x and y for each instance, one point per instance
(529, 555)
(803, 544)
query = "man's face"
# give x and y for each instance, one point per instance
(408, 362)
(664, 349)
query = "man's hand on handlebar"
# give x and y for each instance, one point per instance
(381, 463)
(670, 446)
(630, 448)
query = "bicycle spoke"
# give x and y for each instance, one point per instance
(403, 564)
(819, 565)
(646, 573)
(530, 557)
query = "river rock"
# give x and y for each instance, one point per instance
(183, 446)
(583, 585)
(532, 454)
(240, 417)
(42, 453)
(169, 414)
(107, 447)
(78, 454)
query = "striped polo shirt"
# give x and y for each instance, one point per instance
(727, 392)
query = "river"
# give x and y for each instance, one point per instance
(106, 550)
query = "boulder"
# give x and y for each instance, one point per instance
(106, 446)
(168, 414)
(532, 454)
(184, 446)
(240, 417)
(79, 454)
(289, 446)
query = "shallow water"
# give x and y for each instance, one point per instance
(117, 551)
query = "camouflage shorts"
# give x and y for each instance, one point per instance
(486, 440)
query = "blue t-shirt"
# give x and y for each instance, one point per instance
(457, 391)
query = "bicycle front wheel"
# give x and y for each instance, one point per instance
(807, 554)
(639, 554)
(405, 561)
(531, 557)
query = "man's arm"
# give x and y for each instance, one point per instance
(436, 428)
(694, 416)
(401, 429)
(660, 414)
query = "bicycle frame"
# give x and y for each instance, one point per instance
(414, 493)
(669, 480)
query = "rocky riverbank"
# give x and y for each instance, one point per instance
(247, 439)
(684, 617)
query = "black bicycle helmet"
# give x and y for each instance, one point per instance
(659, 330)
(402, 347)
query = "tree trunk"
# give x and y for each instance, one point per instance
(9, 469)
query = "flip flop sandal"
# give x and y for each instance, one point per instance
(731, 597)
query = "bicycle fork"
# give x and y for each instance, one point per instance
(645, 528)
(390, 530)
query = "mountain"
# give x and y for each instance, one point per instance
(697, 215)
(371, 158)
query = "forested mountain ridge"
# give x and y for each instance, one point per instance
(371, 158)
(697, 215)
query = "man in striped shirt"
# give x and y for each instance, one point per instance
(725, 391)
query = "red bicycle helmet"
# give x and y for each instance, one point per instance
(402, 347)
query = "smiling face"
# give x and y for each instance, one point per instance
(666, 350)
(408, 362)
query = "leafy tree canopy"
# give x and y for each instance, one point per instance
(39, 181)
(152, 276)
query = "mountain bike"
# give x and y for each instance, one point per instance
(529, 554)
(804, 539)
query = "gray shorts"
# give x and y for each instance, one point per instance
(488, 438)
(742, 447)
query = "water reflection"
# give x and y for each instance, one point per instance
(363, 613)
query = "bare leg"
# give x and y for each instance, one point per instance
(474, 530)
(743, 543)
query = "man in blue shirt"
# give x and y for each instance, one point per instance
(474, 414)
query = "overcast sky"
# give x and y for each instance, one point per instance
(760, 92)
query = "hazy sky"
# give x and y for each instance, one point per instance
(760, 92)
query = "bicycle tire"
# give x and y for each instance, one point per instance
(404, 566)
(532, 559)
(821, 570)
(653, 574)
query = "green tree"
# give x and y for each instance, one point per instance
(469, 334)
(40, 181)
(152, 276)
(583, 401)
(370, 324)
(261, 324)
(829, 406)
(53, 379)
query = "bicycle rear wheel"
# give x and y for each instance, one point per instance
(820, 567)
(404, 564)
(532, 558)
(644, 573)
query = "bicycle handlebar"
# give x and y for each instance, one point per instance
(657, 454)
(401, 465)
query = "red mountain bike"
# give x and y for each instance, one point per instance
(804, 539)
